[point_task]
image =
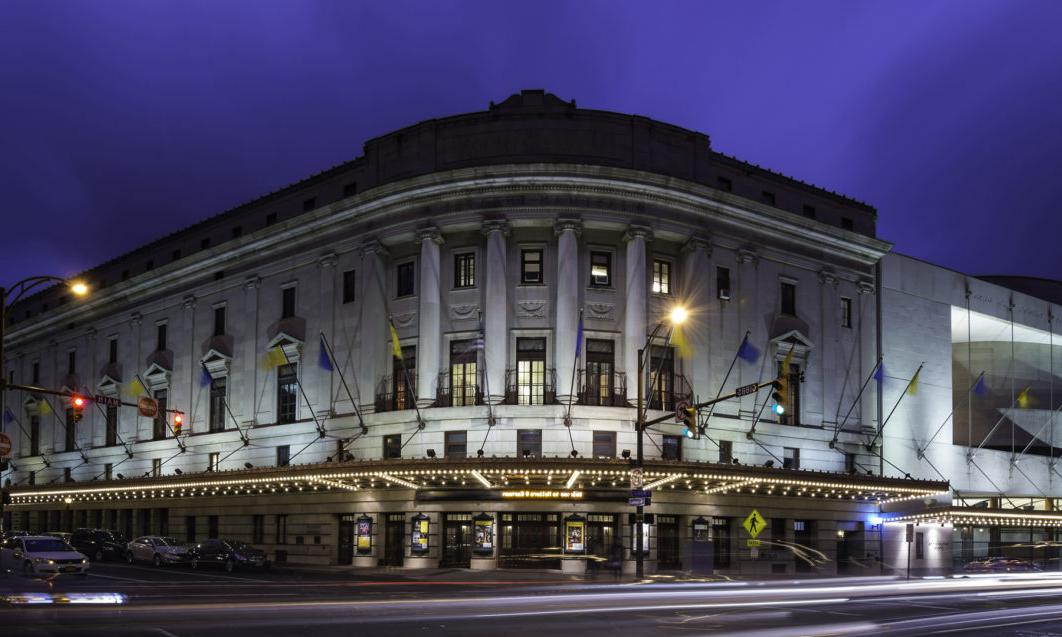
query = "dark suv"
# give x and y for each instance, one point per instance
(227, 554)
(99, 544)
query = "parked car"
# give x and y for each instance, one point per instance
(157, 550)
(42, 555)
(227, 554)
(10, 533)
(62, 535)
(99, 544)
(1001, 565)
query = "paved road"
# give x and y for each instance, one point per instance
(183, 603)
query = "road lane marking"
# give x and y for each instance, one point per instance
(123, 579)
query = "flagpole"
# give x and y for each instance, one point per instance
(332, 358)
(396, 350)
(320, 428)
(898, 401)
(575, 366)
(837, 429)
(922, 449)
(733, 362)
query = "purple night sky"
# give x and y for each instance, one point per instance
(127, 120)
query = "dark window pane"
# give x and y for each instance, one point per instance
(726, 451)
(283, 455)
(348, 286)
(788, 299)
(600, 269)
(465, 270)
(722, 282)
(672, 447)
(161, 422)
(405, 285)
(287, 393)
(287, 309)
(392, 446)
(531, 266)
(456, 444)
(219, 321)
(604, 444)
(218, 389)
(528, 443)
(160, 337)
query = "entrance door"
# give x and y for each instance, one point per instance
(346, 540)
(530, 540)
(667, 543)
(457, 540)
(394, 539)
(601, 534)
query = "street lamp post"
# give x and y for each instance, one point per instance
(677, 316)
(17, 291)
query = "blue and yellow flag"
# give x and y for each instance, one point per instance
(135, 388)
(1025, 399)
(45, 407)
(912, 387)
(324, 361)
(678, 339)
(396, 347)
(274, 357)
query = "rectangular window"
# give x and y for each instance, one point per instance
(531, 371)
(792, 399)
(846, 223)
(349, 281)
(213, 532)
(787, 294)
(846, 312)
(790, 458)
(71, 362)
(920, 545)
(160, 337)
(809, 211)
(287, 393)
(287, 302)
(671, 447)
(160, 424)
(283, 455)
(219, 321)
(237, 232)
(404, 379)
(67, 477)
(604, 444)
(456, 444)
(214, 461)
(406, 279)
(392, 446)
(36, 372)
(156, 467)
(189, 528)
(204, 244)
(849, 463)
(257, 529)
(599, 387)
(661, 377)
(768, 197)
(465, 270)
(108, 470)
(464, 380)
(528, 443)
(724, 184)
(112, 351)
(271, 218)
(531, 267)
(111, 435)
(600, 269)
(218, 390)
(722, 282)
(661, 277)
(351, 189)
(309, 204)
(35, 435)
(70, 430)
(281, 529)
(726, 451)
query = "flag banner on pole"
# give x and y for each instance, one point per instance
(788, 360)
(8, 416)
(45, 407)
(135, 388)
(980, 388)
(579, 337)
(1025, 399)
(678, 339)
(748, 352)
(323, 359)
(396, 347)
(879, 373)
(912, 387)
(273, 358)
(204, 376)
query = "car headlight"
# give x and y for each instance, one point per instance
(84, 560)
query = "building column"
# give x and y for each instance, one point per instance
(697, 297)
(567, 321)
(495, 322)
(429, 338)
(373, 340)
(326, 266)
(635, 302)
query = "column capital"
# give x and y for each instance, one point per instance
(747, 255)
(697, 244)
(637, 231)
(495, 225)
(827, 276)
(327, 260)
(563, 225)
(135, 319)
(430, 233)
(865, 287)
(90, 334)
(252, 282)
(373, 246)
(188, 302)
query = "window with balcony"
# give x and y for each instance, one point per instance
(465, 270)
(287, 393)
(531, 371)
(661, 277)
(464, 384)
(600, 383)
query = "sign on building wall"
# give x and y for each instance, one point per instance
(363, 533)
(574, 534)
(483, 534)
(419, 534)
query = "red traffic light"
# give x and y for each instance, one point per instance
(78, 402)
(178, 418)
(77, 408)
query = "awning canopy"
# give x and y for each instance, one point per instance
(967, 516)
(479, 474)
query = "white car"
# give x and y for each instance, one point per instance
(157, 550)
(42, 555)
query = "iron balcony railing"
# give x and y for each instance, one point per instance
(390, 397)
(461, 393)
(605, 390)
(669, 392)
(530, 387)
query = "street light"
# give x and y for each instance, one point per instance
(677, 316)
(10, 296)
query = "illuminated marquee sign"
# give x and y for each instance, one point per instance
(542, 494)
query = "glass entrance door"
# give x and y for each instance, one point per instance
(667, 543)
(346, 540)
(530, 540)
(457, 540)
(394, 539)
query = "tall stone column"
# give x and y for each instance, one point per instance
(495, 321)
(567, 321)
(430, 334)
(696, 276)
(373, 347)
(635, 303)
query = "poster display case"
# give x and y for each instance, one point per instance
(419, 533)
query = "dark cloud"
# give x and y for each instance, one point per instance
(127, 120)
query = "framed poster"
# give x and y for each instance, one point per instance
(701, 530)
(419, 533)
(645, 538)
(483, 533)
(363, 535)
(574, 534)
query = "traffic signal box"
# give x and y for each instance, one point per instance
(77, 406)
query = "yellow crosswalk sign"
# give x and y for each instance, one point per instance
(754, 523)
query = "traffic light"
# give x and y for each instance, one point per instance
(688, 416)
(779, 394)
(178, 422)
(77, 407)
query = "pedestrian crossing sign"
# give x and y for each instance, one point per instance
(754, 523)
